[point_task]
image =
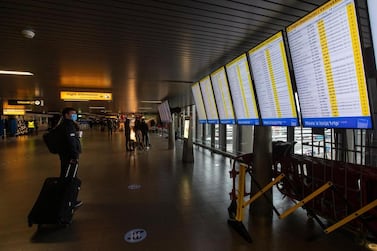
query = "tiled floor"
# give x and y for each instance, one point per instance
(181, 206)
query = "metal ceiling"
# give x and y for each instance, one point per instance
(138, 49)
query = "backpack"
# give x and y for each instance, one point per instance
(53, 140)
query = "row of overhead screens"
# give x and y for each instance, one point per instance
(328, 70)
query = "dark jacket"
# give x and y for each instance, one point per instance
(144, 127)
(70, 142)
(127, 128)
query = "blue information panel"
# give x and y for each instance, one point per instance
(273, 84)
(242, 91)
(199, 103)
(209, 101)
(222, 95)
(328, 66)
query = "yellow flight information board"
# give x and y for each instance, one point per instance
(85, 96)
(199, 103)
(209, 100)
(222, 96)
(272, 81)
(328, 66)
(242, 91)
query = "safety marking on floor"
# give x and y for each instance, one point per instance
(134, 186)
(135, 235)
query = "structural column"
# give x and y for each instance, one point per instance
(171, 133)
(262, 169)
(222, 137)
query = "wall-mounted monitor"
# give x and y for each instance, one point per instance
(198, 99)
(209, 100)
(164, 111)
(328, 66)
(222, 96)
(242, 91)
(273, 86)
(372, 8)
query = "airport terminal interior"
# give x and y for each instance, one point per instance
(259, 134)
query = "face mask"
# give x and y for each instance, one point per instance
(74, 116)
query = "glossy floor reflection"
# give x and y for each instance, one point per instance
(181, 206)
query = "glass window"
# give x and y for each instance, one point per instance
(279, 133)
(217, 136)
(229, 138)
(207, 135)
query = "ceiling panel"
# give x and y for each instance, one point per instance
(139, 50)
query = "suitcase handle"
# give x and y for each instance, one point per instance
(76, 165)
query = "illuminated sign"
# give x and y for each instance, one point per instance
(328, 66)
(186, 129)
(209, 100)
(242, 91)
(199, 104)
(273, 85)
(372, 8)
(222, 95)
(8, 111)
(24, 102)
(85, 96)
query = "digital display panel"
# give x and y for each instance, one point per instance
(222, 96)
(209, 100)
(85, 96)
(186, 129)
(199, 103)
(242, 91)
(372, 8)
(272, 81)
(164, 111)
(328, 66)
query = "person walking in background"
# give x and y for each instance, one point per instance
(144, 131)
(138, 134)
(110, 127)
(127, 133)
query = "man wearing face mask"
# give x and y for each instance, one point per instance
(70, 146)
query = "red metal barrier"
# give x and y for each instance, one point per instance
(354, 187)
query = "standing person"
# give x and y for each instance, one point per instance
(127, 133)
(144, 130)
(70, 148)
(138, 134)
(110, 127)
(153, 126)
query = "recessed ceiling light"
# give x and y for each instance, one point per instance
(151, 101)
(97, 107)
(28, 33)
(24, 73)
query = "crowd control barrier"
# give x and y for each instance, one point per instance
(344, 194)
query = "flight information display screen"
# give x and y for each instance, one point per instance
(209, 100)
(242, 92)
(328, 66)
(199, 103)
(372, 8)
(164, 111)
(222, 96)
(272, 81)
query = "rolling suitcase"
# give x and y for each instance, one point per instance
(56, 201)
